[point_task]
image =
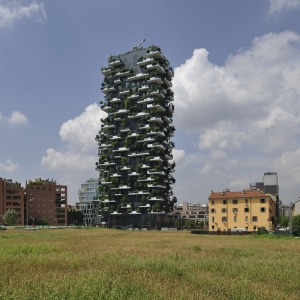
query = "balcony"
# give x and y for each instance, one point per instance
(146, 140)
(171, 108)
(171, 73)
(136, 154)
(115, 175)
(158, 133)
(125, 168)
(107, 164)
(167, 82)
(133, 135)
(122, 111)
(155, 119)
(124, 92)
(156, 158)
(156, 199)
(135, 96)
(118, 81)
(146, 100)
(155, 106)
(137, 76)
(120, 74)
(104, 146)
(144, 88)
(108, 126)
(145, 61)
(145, 167)
(156, 186)
(146, 179)
(168, 156)
(168, 120)
(158, 94)
(108, 89)
(157, 146)
(133, 174)
(171, 98)
(156, 67)
(138, 115)
(154, 172)
(155, 53)
(115, 62)
(124, 130)
(155, 80)
(144, 127)
(106, 108)
(116, 100)
(121, 149)
(105, 71)
(138, 193)
(115, 138)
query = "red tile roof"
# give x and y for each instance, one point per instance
(240, 194)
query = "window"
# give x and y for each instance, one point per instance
(246, 219)
(262, 200)
(212, 202)
(213, 219)
(224, 210)
(224, 201)
(234, 201)
(213, 227)
(246, 201)
(234, 219)
(212, 210)
(234, 210)
(246, 209)
(224, 219)
(254, 219)
(254, 228)
(262, 209)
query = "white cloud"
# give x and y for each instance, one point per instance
(79, 134)
(280, 5)
(289, 167)
(14, 11)
(16, 118)
(217, 154)
(9, 167)
(252, 99)
(178, 155)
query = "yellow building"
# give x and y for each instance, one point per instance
(240, 211)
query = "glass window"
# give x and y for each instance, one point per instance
(254, 219)
(224, 201)
(262, 209)
(262, 200)
(246, 209)
(246, 219)
(234, 210)
(224, 210)
(212, 210)
(234, 201)
(213, 219)
(224, 219)
(234, 219)
(246, 201)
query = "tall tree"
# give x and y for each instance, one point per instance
(10, 217)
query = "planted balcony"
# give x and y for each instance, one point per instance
(108, 88)
(137, 76)
(121, 149)
(116, 100)
(115, 138)
(145, 61)
(137, 115)
(146, 100)
(108, 126)
(105, 71)
(134, 96)
(144, 88)
(115, 62)
(156, 158)
(157, 93)
(155, 53)
(155, 79)
(118, 81)
(155, 120)
(167, 82)
(156, 106)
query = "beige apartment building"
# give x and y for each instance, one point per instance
(245, 210)
(11, 197)
(46, 200)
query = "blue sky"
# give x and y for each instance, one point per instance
(236, 84)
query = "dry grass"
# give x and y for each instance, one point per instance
(111, 264)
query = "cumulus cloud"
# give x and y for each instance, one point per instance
(178, 155)
(9, 166)
(277, 6)
(16, 118)
(252, 99)
(14, 11)
(288, 166)
(79, 135)
(217, 154)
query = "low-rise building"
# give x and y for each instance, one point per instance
(190, 211)
(11, 197)
(245, 210)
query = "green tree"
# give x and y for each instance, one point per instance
(296, 225)
(284, 221)
(201, 224)
(187, 224)
(10, 217)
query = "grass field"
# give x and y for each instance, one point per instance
(113, 264)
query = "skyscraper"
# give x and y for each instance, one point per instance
(134, 146)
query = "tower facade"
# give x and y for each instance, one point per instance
(134, 146)
(88, 202)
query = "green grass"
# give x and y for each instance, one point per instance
(111, 264)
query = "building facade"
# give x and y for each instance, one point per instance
(269, 185)
(191, 211)
(88, 202)
(134, 145)
(11, 197)
(46, 200)
(245, 211)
